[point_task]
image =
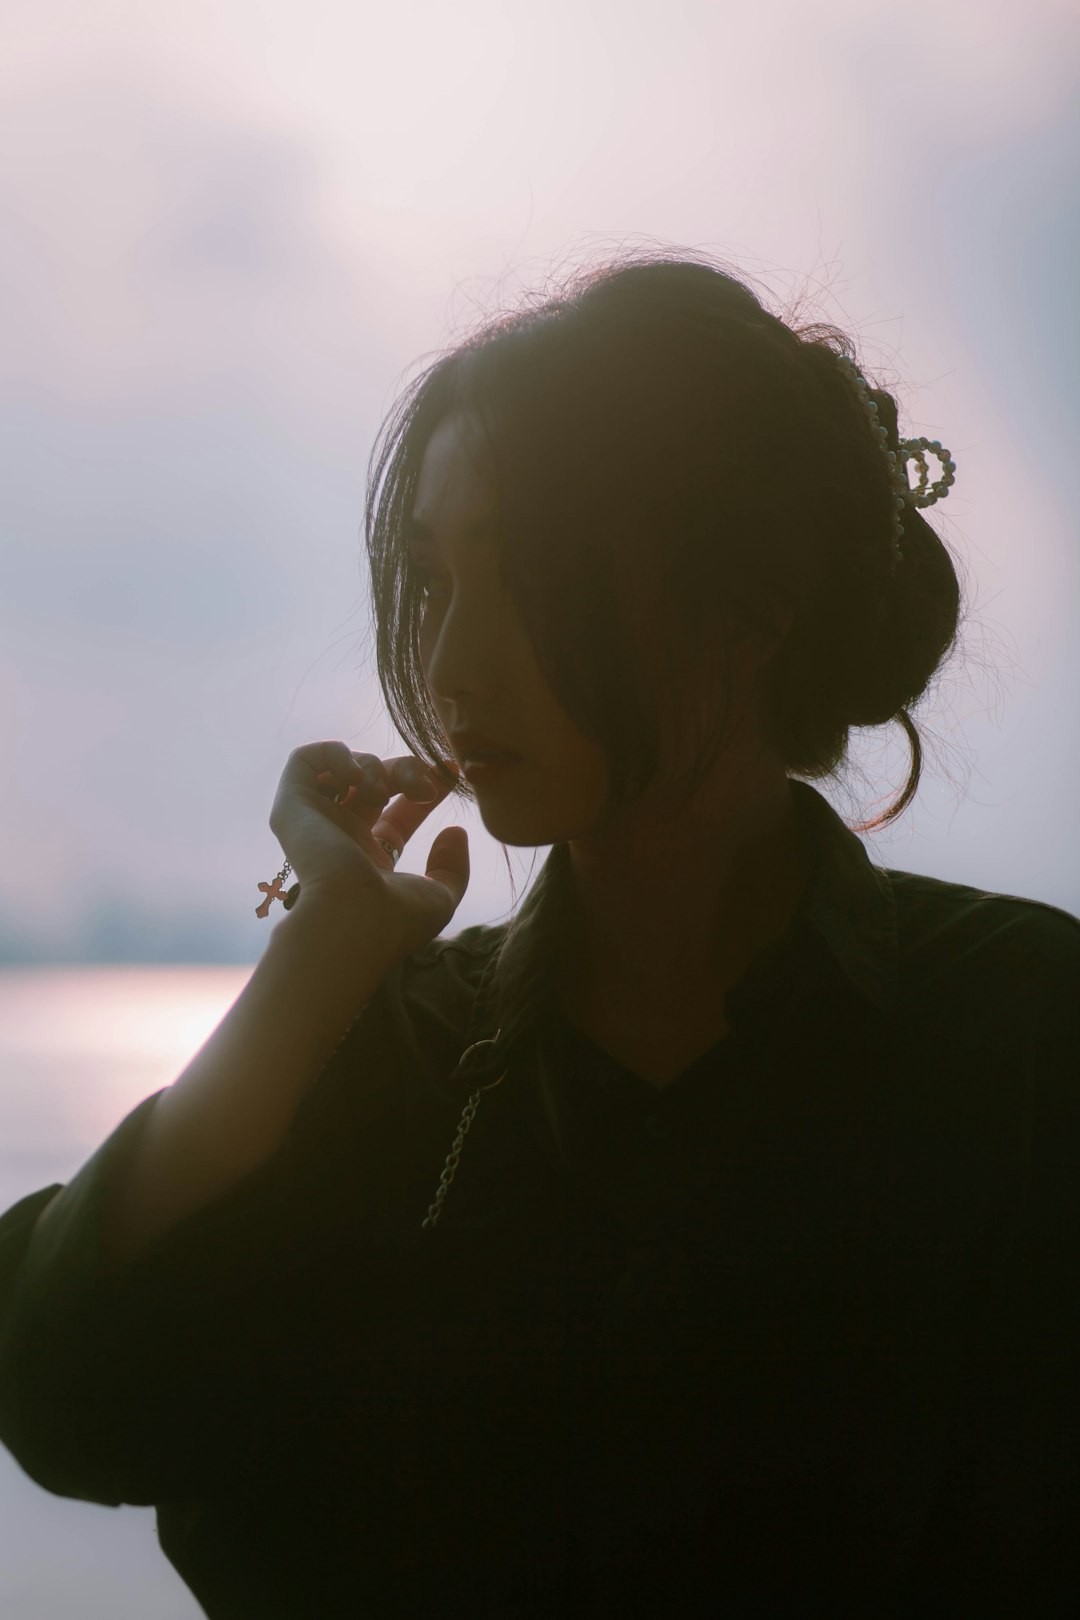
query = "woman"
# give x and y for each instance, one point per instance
(704, 1236)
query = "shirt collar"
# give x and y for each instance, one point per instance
(848, 907)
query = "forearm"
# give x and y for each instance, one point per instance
(232, 1107)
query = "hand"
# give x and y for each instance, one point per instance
(332, 805)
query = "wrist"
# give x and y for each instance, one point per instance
(341, 915)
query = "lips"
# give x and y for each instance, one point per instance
(482, 767)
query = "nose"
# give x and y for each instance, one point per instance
(459, 656)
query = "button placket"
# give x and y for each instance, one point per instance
(658, 1125)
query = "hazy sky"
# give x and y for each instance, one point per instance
(229, 232)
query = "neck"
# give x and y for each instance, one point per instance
(681, 904)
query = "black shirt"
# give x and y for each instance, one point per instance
(798, 1331)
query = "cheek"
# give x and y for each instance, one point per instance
(576, 770)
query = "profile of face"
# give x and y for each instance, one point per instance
(482, 675)
(478, 661)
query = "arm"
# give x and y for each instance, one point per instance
(153, 1311)
(231, 1108)
(125, 1379)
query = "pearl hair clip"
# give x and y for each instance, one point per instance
(910, 450)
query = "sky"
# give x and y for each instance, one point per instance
(231, 232)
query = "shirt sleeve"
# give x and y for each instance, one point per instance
(1014, 1481)
(118, 1388)
(170, 1380)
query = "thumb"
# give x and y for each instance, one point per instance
(448, 862)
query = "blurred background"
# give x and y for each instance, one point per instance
(229, 233)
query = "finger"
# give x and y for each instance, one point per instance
(363, 784)
(312, 760)
(448, 862)
(400, 818)
(308, 768)
(334, 769)
(405, 775)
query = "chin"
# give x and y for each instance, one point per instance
(524, 831)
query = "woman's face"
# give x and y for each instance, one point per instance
(479, 665)
(483, 676)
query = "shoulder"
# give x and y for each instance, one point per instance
(932, 910)
(408, 1037)
(998, 964)
(464, 953)
(439, 981)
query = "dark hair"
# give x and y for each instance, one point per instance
(674, 462)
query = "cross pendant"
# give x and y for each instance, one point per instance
(272, 891)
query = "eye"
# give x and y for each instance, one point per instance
(425, 574)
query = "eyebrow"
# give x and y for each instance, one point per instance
(418, 533)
